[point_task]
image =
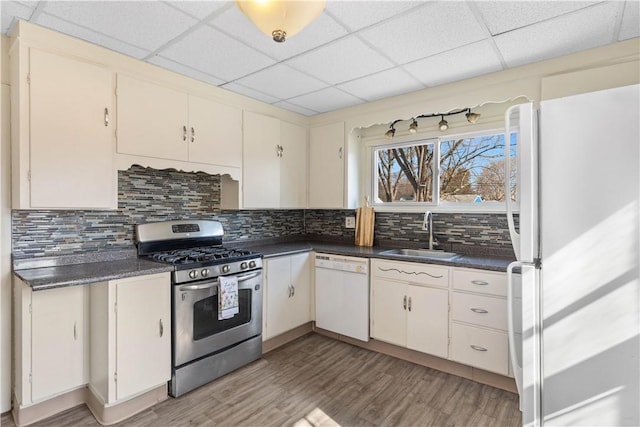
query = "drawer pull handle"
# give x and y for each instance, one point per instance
(479, 310)
(75, 331)
(480, 282)
(404, 302)
(409, 303)
(161, 328)
(478, 348)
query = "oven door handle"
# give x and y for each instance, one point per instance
(215, 282)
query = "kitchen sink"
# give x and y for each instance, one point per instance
(421, 253)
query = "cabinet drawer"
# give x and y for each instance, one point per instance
(480, 310)
(480, 281)
(480, 348)
(410, 272)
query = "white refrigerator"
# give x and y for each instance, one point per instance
(574, 312)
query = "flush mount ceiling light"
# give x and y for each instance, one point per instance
(443, 125)
(281, 18)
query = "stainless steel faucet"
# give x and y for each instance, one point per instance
(427, 225)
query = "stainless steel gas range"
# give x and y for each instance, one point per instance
(206, 344)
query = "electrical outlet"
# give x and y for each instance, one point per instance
(350, 222)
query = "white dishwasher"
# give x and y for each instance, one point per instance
(342, 295)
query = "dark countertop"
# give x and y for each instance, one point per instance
(484, 262)
(100, 266)
(91, 272)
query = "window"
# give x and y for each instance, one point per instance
(470, 171)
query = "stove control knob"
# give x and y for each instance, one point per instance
(204, 272)
(243, 266)
(193, 274)
(252, 264)
(225, 268)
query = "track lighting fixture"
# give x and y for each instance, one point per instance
(443, 125)
(472, 117)
(413, 127)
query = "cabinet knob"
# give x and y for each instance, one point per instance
(479, 310)
(184, 133)
(478, 348)
(480, 282)
(106, 117)
(161, 328)
(340, 152)
(193, 134)
(404, 303)
(75, 331)
(293, 291)
(409, 306)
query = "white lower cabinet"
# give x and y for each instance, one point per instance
(406, 311)
(479, 320)
(50, 340)
(287, 296)
(130, 336)
(414, 306)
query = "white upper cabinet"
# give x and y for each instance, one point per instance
(326, 166)
(293, 166)
(274, 162)
(63, 132)
(158, 121)
(152, 120)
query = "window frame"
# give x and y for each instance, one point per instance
(436, 205)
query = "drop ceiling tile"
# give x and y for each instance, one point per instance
(199, 9)
(295, 108)
(502, 16)
(282, 81)
(123, 20)
(342, 60)
(12, 11)
(234, 87)
(210, 51)
(574, 32)
(630, 20)
(322, 30)
(464, 62)
(433, 28)
(382, 85)
(325, 100)
(78, 31)
(355, 16)
(184, 70)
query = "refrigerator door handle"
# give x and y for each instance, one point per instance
(515, 364)
(515, 236)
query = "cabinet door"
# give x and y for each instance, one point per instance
(278, 283)
(389, 319)
(152, 120)
(326, 166)
(215, 133)
(300, 301)
(428, 320)
(293, 166)
(261, 161)
(143, 334)
(71, 147)
(57, 336)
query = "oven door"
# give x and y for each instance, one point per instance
(197, 331)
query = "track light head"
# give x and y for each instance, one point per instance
(472, 117)
(390, 133)
(413, 127)
(443, 125)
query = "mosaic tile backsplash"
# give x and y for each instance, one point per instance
(147, 195)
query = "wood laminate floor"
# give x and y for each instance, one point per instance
(318, 381)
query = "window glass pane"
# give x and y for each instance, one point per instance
(405, 174)
(472, 169)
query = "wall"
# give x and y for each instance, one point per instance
(147, 195)
(144, 195)
(5, 236)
